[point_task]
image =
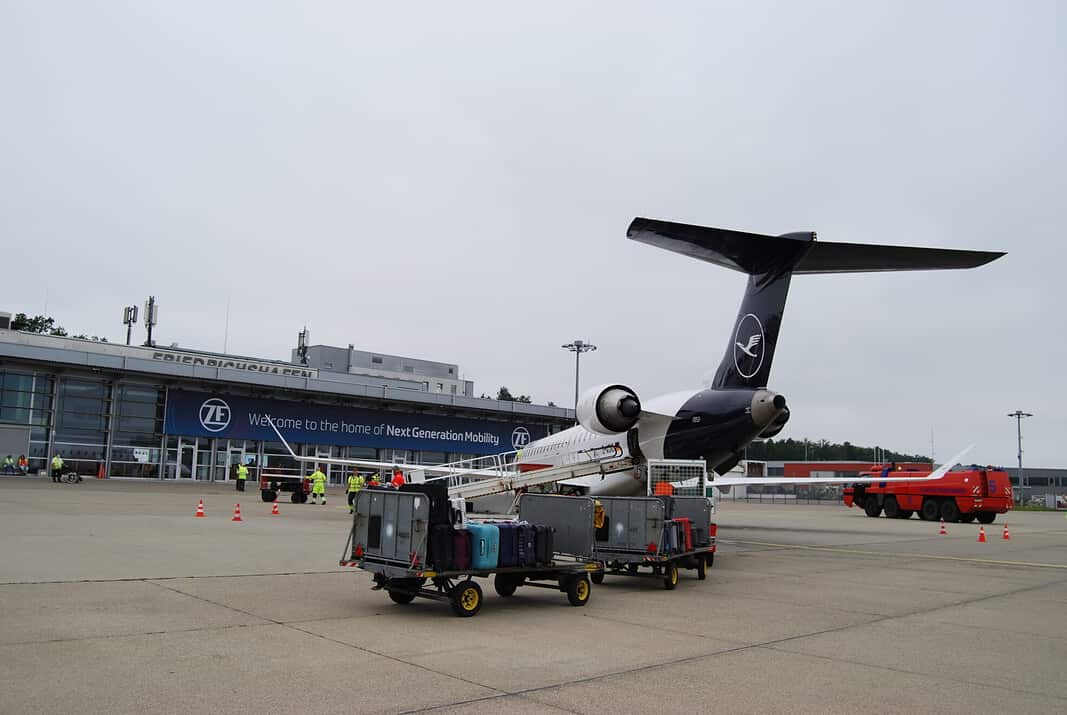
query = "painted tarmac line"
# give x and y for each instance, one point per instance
(936, 557)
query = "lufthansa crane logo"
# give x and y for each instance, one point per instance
(749, 344)
(520, 437)
(214, 415)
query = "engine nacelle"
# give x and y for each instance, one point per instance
(609, 409)
(775, 427)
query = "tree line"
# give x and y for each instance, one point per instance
(799, 450)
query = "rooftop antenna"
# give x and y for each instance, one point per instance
(226, 334)
(129, 317)
(302, 345)
(151, 317)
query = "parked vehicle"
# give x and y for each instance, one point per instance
(962, 495)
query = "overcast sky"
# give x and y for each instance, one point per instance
(453, 181)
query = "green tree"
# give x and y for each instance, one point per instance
(504, 395)
(37, 324)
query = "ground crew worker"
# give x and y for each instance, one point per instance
(398, 478)
(9, 465)
(57, 468)
(318, 485)
(242, 475)
(355, 483)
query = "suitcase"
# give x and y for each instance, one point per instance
(544, 547)
(700, 536)
(527, 544)
(670, 538)
(509, 544)
(685, 526)
(440, 555)
(437, 491)
(485, 545)
(461, 550)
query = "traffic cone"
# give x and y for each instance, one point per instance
(981, 534)
(274, 509)
(236, 513)
(200, 509)
(1006, 536)
(942, 532)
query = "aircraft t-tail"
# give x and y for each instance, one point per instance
(715, 423)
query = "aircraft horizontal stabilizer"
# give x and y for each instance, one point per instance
(800, 253)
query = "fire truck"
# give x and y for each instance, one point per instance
(963, 495)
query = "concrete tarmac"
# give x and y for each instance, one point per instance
(115, 599)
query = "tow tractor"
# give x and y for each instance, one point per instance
(271, 484)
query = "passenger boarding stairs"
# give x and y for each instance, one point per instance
(499, 474)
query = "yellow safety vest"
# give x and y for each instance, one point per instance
(355, 483)
(242, 472)
(57, 462)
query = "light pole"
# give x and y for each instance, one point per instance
(1018, 415)
(578, 347)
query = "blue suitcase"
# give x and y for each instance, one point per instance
(670, 538)
(527, 544)
(509, 544)
(485, 546)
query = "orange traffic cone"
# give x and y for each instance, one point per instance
(942, 532)
(236, 513)
(200, 509)
(1006, 536)
(981, 534)
(274, 509)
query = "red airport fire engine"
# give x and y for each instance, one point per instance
(964, 495)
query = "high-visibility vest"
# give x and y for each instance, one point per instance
(57, 462)
(355, 483)
(242, 472)
(318, 478)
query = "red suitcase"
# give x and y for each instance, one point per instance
(461, 550)
(686, 526)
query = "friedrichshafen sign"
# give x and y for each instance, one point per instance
(206, 414)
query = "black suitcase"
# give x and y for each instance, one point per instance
(440, 556)
(545, 547)
(527, 544)
(509, 543)
(437, 491)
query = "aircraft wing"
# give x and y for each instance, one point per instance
(746, 481)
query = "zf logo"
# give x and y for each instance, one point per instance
(214, 415)
(520, 438)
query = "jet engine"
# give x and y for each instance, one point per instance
(775, 427)
(609, 409)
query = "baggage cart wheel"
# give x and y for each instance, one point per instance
(268, 495)
(466, 599)
(578, 590)
(401, 598)
(406, 584)
(597, 577)
(505, 584)
(670, 577)
(702, 568)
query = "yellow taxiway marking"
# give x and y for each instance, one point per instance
(860, 552)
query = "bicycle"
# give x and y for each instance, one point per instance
(70, 478)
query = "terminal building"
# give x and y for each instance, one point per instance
(167, 413)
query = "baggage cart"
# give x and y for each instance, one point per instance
(654, 537)
(271, 484)
(391, 537)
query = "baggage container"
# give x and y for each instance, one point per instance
(631, 524)
(391, 526)
(698, 511)
(485, 545)
(569, 519)
(437, 492)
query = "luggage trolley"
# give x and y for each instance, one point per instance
(394, 537)
(660, 534)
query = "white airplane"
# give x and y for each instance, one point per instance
(715, 423)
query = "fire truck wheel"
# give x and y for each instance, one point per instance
(931, 510)
(949, 511)
(268, 495)
(986, 517)
(892, 510)
(968, 518)
(906, 513)
(872, 508)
